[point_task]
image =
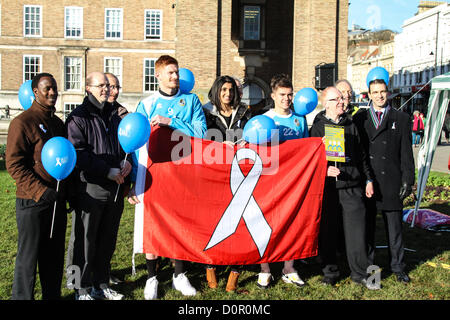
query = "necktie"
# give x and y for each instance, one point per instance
(379, 115)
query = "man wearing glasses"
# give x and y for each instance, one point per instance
(92, 129)
(114, 90)
(386, 136)
(345, 87)
(343, 195)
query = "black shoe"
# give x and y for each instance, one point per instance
(329, 280)
(402, 277)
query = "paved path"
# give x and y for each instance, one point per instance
(440, 159)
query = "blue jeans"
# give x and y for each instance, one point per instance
(416, 138)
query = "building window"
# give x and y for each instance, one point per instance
(31, 67)
(252, 15)
(153, 25)
(113, 23)
(114, 65)
(68, 108)
(32, 21)
(150, 81)
(72, 73)
(73, 23)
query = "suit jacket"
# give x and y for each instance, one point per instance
(390, 155)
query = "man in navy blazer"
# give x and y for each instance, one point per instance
(386, 135)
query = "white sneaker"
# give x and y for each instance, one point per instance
(264, 279)
(82, 294)
(151, 289)
(105, 292)
(293, 278)
(182, 284)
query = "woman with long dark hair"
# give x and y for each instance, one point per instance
(225, 122)
(228, 115)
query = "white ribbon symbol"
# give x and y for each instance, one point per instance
(58, 162)
(243, 205)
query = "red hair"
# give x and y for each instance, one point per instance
(165, 60)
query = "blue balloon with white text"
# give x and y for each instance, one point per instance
(133, 132)
(58, 157)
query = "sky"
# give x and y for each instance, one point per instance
(381, 14)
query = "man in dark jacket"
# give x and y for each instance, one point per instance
(92, 129)
(386, 136)
(36, 195)
(343, 194)
(345, 87)
(114, 91)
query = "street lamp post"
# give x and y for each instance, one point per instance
(436, 51)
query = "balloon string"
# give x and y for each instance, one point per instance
(54, 210)
(118, 186)
(401, 107)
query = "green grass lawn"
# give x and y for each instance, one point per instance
(428, 282)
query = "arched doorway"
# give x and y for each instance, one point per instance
(256, 93)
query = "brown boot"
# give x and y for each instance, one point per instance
(232, 281)
(211, 277)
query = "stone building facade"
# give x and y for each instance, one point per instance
(365, 55)
(249, 39)
(422, 51)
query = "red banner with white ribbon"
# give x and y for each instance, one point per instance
(207, 202)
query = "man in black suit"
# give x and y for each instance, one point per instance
(386, 134)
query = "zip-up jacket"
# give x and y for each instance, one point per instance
(239, 117)
(27, 135)
(93, 132)
(355, 170)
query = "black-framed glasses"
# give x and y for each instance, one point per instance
(115, 87)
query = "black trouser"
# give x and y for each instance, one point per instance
(36, 250)
(393, 228)
(95, 225)
(349, 202)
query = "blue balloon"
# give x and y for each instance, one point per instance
(377, 73)
(133, 132)
(58, 157)
(259, 129)
(26, 95)
(305, 101)
(187, 80)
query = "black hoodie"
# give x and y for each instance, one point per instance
(355, 170)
